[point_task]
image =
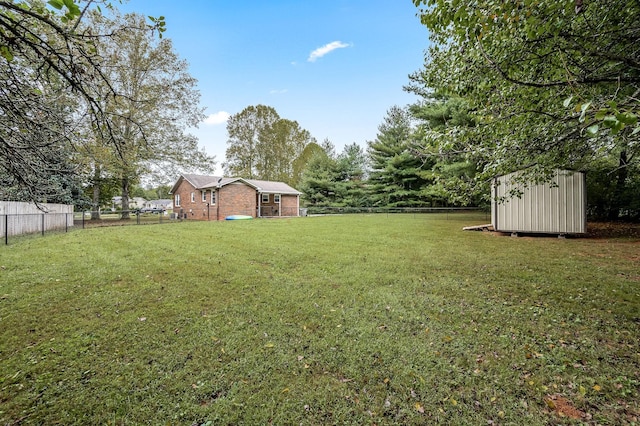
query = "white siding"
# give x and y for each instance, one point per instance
(544, 208)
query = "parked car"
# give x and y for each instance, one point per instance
(151, 210)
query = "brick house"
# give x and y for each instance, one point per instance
(214, 198)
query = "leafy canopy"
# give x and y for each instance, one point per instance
(52, 79)
(552, 84)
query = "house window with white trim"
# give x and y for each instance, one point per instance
(265, 198)
(276, 198)
(213, 196)
(177, 200)
(204, 195)
(193, 197)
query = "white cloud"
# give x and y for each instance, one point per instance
(330, 47)
(278, 92)
(219, 117)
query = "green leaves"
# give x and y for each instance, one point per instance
(583, 111)
(615, 122)
(536, 78)
(592, 131)
(627, 118)
(5, 52)
(57, 4)
(612, 119)
(159, 24)
(73, 10)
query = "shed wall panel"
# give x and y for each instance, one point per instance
(557, 208)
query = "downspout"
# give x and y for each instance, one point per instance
(259, 195)
(218, 200)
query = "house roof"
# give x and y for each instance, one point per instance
(262, 186)
(270, 187)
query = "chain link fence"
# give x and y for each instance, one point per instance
(13, 225)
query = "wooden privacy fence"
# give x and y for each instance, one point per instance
(18, 218)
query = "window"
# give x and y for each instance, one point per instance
(193, 197)
(276, 198)
(178, 200)
(213, 196)
(265, 198)
(204, 195)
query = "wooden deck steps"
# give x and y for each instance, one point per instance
(488, 227)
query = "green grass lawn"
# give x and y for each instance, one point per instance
(399, 319)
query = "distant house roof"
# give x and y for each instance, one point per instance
(262, 186)
(118, 199)
(161, 202)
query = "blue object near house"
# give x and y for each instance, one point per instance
(238, 217)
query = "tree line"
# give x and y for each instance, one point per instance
(92, 102)
(544, 84)
(524, 85)
(389, 171)
(419, 158)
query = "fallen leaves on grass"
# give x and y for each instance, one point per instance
(613, 230)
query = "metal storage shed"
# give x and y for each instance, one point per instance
(551, 208)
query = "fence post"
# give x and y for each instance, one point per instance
(43, 224)
(6, 229)
(83, 219)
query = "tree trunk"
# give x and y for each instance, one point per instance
(125, 198)
(621, 180)
(95, 212)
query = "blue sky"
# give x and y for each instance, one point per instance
(334, 66)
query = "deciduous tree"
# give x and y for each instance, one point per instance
(158, 102)
(262, 145)
(552, 84)
(52, 78)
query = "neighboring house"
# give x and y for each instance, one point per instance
(164, 205)
(214, 198)
(134, 203)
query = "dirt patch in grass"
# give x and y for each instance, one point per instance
(564, 408)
